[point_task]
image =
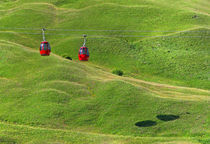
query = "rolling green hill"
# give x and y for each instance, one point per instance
(163, 97)
(187, 57)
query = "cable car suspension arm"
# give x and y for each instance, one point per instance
(84, 40)
(43, 34)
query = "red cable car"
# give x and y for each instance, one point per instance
(45, 48)
(83, 51)
(83, 54)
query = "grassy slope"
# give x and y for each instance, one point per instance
(182, 60)
(55, 93)
(44, 135)
(82, 98)
(145, 58)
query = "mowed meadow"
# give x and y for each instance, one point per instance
(162, 47)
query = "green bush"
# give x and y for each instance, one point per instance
(117, 72)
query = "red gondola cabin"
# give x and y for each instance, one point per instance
(45, 48)
(83, 54)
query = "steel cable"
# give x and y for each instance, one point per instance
(89, 30)
(118, 36)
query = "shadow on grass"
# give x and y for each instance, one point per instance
(147, 123)
(7, 141)
(167, 117)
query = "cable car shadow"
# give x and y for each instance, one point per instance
(167, 117)
(147, 123)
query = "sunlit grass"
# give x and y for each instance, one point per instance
(52, 99)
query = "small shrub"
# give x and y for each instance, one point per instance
(117, 72)
(66, 57)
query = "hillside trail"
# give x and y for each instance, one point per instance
(170, 91)
(71, 9)
(94, 134)
(171, 33)
(156, 89)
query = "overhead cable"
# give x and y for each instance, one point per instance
(119, 36)
(95, 30)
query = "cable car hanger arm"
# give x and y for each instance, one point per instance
(43, 34)
(84, 40)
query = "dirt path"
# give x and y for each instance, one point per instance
(156, 89)
(86, 133)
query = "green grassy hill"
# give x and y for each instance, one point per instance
(51, 99)
(187, 57)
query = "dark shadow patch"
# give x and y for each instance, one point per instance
(167, 117)
(7, 141)
(66, 57)
(147, 123)
(69, 58)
